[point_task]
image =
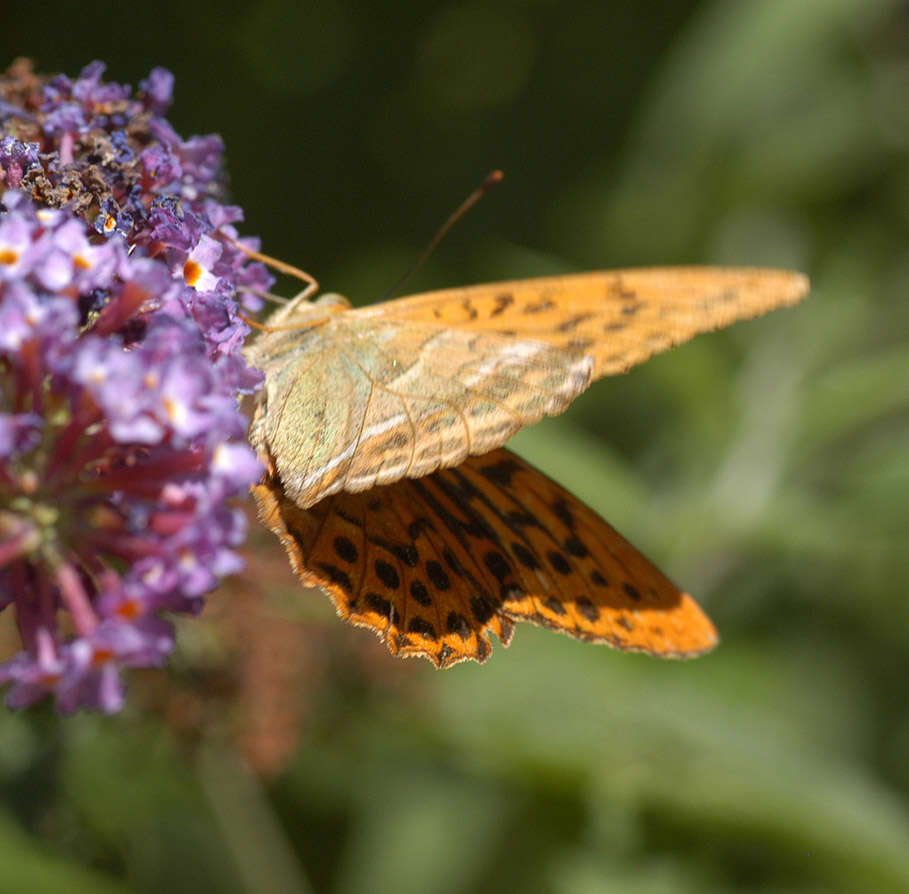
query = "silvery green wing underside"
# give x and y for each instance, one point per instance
(354, 403)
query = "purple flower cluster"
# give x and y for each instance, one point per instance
(121, 442)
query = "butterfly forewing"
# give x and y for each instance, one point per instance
(366, 397)
(617, 317)
(435, 564)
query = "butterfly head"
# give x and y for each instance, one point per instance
(301, 313)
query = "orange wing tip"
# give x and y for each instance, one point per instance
(684, 632)
(681, 630)
(793, 288)
(802, 285)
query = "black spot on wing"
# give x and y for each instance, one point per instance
(350, 519)
(559, 562)
(572, 323)
(503, 301)
(538, 307)
(524, 556)
(420, 593)
(336, 576)
(406, 552)
(587, 609)
(345, 550)
(501, 472)
(437, 576)
(388, 574)
(422, 627)
(379, 604)
(481, 608)
(456, 623)
(497, 565)
(517, 520)
(563, 513)
(452, 561)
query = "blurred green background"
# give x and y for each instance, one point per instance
(766, 468)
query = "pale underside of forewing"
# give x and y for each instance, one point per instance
(365, 397)
(619, 318)
(360, 403)
(434, 565)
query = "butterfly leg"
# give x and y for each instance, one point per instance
(312, 285)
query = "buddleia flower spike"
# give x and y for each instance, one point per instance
(121, 444)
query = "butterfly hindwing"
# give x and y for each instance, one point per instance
(434, 565)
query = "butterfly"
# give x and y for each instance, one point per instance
(382, 429)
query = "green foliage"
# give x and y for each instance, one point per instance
(766, 468)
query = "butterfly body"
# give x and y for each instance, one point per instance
(382, 428)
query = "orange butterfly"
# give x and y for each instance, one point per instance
(382, 429)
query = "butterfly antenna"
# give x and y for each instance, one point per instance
(465, 206)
